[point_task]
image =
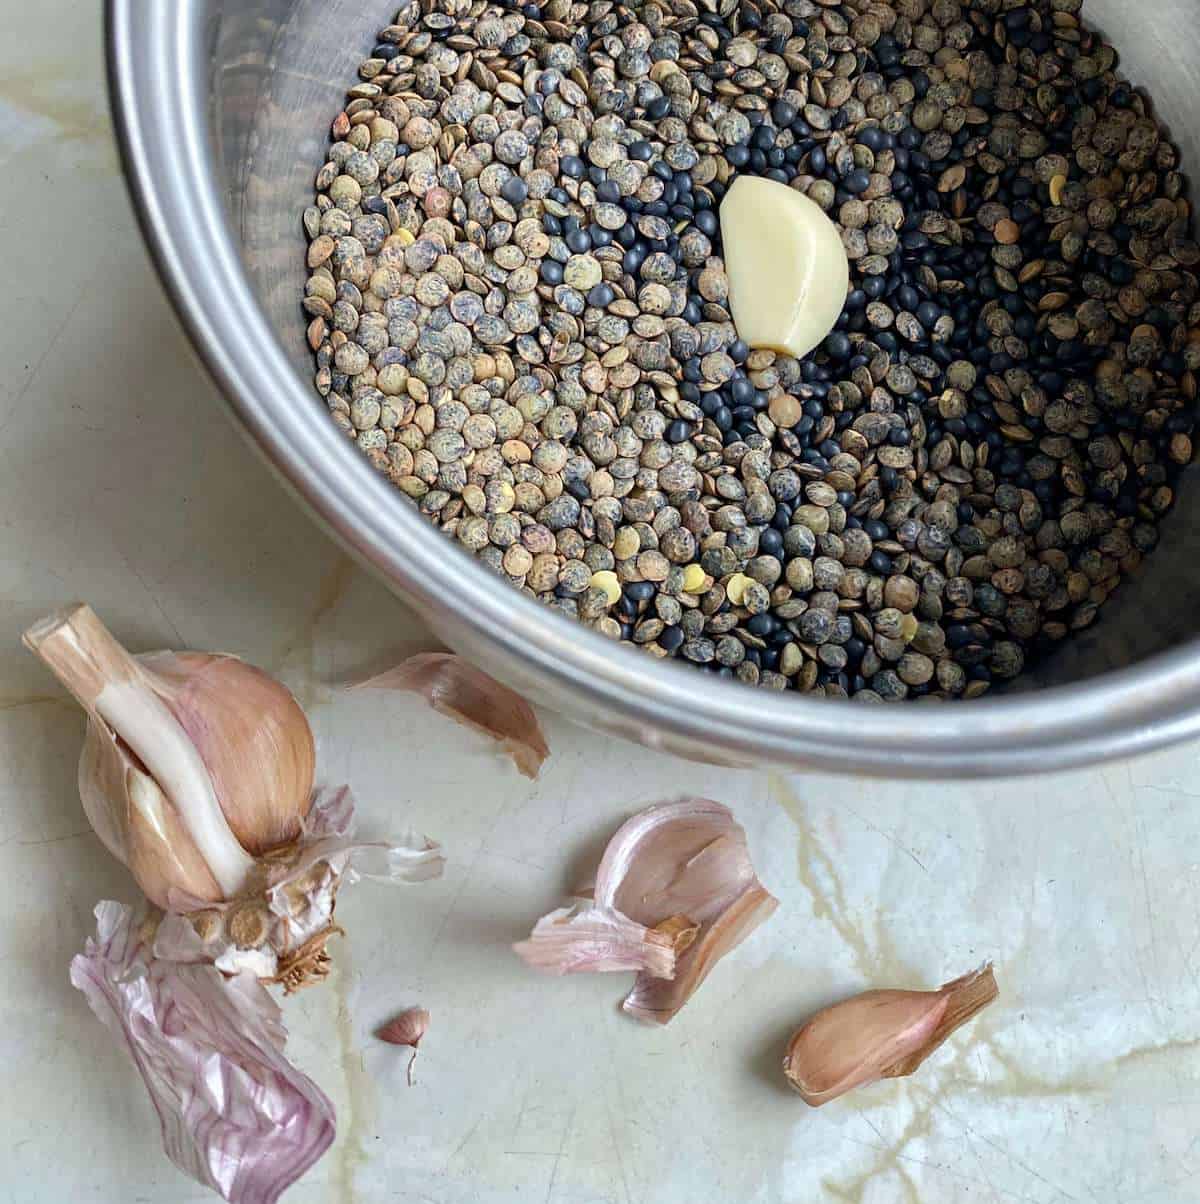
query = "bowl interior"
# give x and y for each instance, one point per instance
(282, 70)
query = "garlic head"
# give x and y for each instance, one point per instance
(193, 765)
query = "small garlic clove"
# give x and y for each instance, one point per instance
(880, 1034)
(406, 1029)
(466, 694)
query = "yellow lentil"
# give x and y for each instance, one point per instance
(694, 578)
(606, 580)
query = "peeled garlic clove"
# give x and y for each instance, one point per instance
(679, 872)
(788, 270)
(590, 940)
(194, 763)
(464, 693)
(880, 1034)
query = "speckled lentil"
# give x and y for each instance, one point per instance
(518, 308)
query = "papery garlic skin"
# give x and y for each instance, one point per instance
(596, 940)
(456, 688)
(675, 892)
(234, 1113)
(292, 902)
(194, 764)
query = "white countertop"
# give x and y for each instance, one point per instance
(122, 482)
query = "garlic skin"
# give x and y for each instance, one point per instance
(675, 892)
(279, 927)
(880, 1034)
(194, 764)
(457, 689)
(233, 1113)
(598, 940)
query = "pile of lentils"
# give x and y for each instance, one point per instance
(519, 312)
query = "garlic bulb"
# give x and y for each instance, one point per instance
(194, 764)
(197, 772)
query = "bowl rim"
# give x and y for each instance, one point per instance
(161, 117)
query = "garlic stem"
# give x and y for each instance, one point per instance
(143, 721)
(109, 683)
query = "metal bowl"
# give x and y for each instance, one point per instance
(223, 111)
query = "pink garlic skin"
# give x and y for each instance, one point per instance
(686, 858)
(460, 691)
(234, 1113)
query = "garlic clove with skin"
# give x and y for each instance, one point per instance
(879, 1035)
(406, 1029)
(194, 764)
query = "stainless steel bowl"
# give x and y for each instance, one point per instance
(223, 108)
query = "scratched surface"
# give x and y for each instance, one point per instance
(120, 481)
